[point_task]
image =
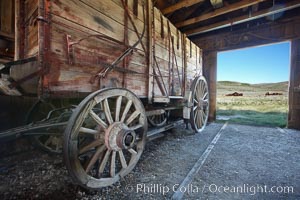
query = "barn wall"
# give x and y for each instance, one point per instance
(294, 86)
(287, 30)
(7, 30)
(210, 73)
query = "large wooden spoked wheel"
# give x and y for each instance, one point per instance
(105, 137)
(200, 104)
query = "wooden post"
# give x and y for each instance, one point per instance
(210, 73)
(294, 86)
(150, 50)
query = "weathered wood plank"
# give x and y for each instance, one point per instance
(73, 70)
(6, 16)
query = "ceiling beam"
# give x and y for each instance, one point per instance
(244, 18)
(218, 12)
(181, 4)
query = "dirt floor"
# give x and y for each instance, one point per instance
(246, 163)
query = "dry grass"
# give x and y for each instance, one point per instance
(254, 108)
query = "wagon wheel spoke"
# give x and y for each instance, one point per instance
(118, 108)
(202, 89)
(136, 127)
(127, 107)
(198, 93)
(104, 162)
(88, 131)
(132, 151)
(98, 120)
(94, 158)
(194, 108)
(122, 159)
(113, 164)
(91, 145)
(203, 115)
(132, 117)
(205, 95)
(107, 112)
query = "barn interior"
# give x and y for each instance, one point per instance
(214, 26)
(226, 25)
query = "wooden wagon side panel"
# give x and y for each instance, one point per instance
(85, 38)
(193, 61)
(168, 57)
(27, 32)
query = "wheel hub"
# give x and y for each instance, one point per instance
(201, 104)
(118, 136)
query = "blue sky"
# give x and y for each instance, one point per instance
(263, 64)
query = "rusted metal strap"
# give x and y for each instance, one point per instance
(135, 7)
(26, 78)
(127, 52)
(134, 26)
(162, 89)
(109, 66)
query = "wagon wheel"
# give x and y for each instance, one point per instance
(200, 102)
(159, 120)
(48, 143)
(105, 137)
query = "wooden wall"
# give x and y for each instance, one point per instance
(177, 57)
(7, 30)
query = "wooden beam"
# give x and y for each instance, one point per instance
(294, 97)
(210, 73)
(271, 32)
(218, 12)
(180, 4)
(183, 15)
(244, 18)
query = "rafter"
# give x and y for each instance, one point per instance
(244, 18)
(218, 12)
(181, 4)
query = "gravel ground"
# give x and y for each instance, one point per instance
(248, 161)
(32, 174)
(243, 154)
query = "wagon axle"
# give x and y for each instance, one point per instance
(118, 136)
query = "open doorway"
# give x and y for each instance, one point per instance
(252, 85)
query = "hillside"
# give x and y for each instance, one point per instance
(228, 86)
(254, 107)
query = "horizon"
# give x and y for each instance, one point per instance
(255, 65)
(254, 83)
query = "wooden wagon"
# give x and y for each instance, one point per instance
(127, 62)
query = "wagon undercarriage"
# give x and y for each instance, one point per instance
(142, 75)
